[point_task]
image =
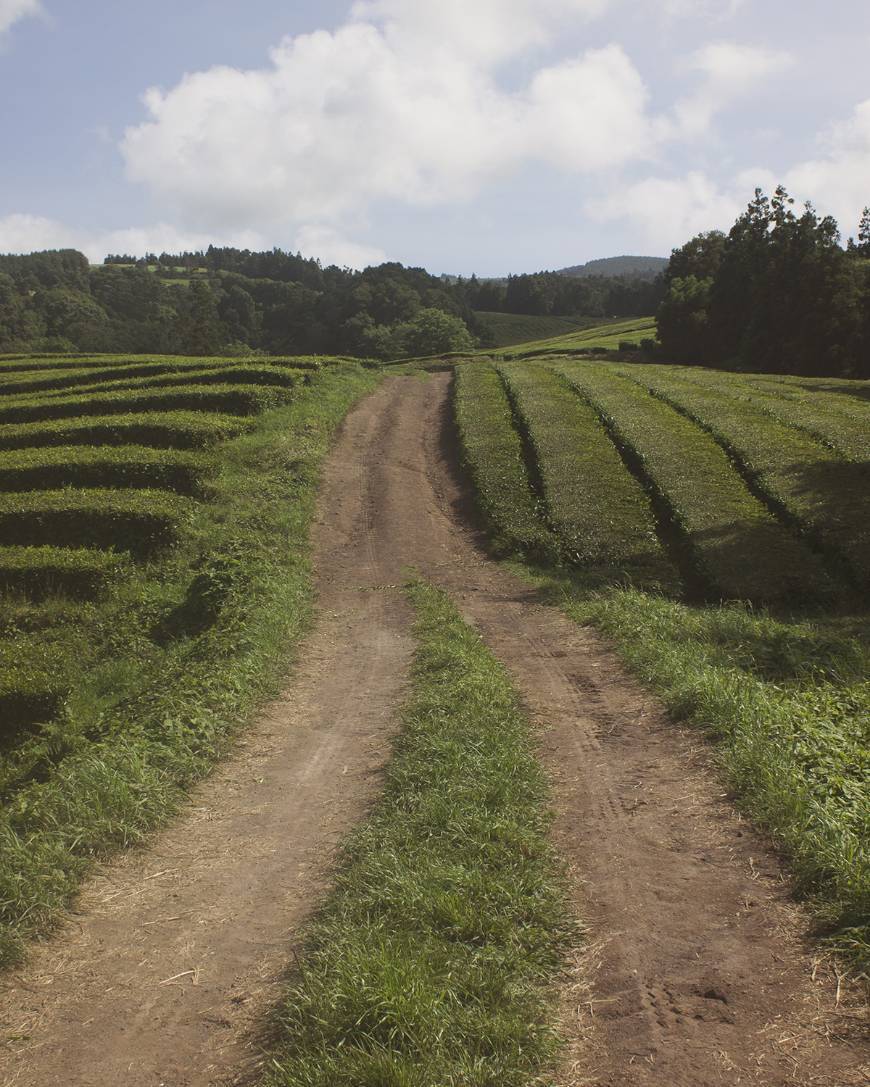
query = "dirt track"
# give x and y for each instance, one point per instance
(175, 953)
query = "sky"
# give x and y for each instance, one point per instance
(487, 136)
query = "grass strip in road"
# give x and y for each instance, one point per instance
(492, 449)
(435, 960)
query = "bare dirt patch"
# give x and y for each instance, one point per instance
(174, 956)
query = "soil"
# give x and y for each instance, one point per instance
(695, 970)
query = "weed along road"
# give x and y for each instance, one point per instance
(692, 970)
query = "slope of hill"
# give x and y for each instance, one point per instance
(507, 329)
(635, 267)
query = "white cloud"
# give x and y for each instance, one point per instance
(589, 114)
(328, 246)
(12, 11)
(31, 233)
(668, 211)
(488, 31)
(729, 72)
(707, 9)
(402, 103)
(838, 180)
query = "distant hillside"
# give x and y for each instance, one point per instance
(636, 267)
(506, 329)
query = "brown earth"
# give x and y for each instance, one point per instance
(695, 973)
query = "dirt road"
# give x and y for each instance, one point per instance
(174, 955)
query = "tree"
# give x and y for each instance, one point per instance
(434, 332)
(861, 248)
(199, 329)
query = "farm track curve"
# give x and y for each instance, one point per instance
(697, 973)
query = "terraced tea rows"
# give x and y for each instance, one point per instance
(757, 494)
(144, 507)
(635, 463)
(816, 488)
(602, 337)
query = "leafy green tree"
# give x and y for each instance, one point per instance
(434, 332)
(199, 330)
(683, 319)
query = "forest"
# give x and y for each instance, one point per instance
(237, 302)
(777, 294)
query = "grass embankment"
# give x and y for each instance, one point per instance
(784, 695)
(509, 329)
(127, 679)
(606, 336)
(434, 960)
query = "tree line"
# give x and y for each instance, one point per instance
(231, 301)
(778, 294)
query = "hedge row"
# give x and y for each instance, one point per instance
(160, 430)
(493, 452)
(218, 375)
(139, 522)
(846, 434)
(739, 548)
(31, 689)
(37, 365)
(183, 472)
(229, 399)
(824, 495)
(597, 508)
(50, 381)
(40, 572)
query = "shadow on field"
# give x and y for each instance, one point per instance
(859, 392)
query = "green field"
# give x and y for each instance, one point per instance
(519, 328)
(717, 529)
(153, 573)
(601, 336)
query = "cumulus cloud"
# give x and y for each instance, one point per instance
(710, 9)
(838, 179)
(12, 11)
(667, 211)
(31, 233)
(490, 31)
(402, 103)
(329, 247)
(729, 72)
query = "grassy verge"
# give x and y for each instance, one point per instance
(788, 704)
(168, 667)
(434, 961)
